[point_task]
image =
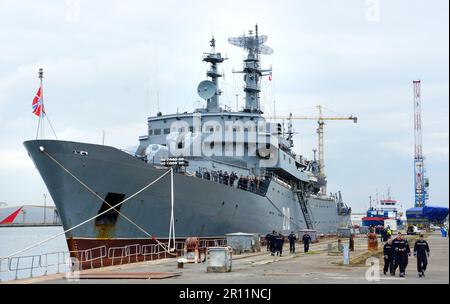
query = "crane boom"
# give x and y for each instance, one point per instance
(320, 132)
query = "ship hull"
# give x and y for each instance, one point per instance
(202, 208)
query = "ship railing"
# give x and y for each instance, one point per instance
(113, 256)
(212, 243)
(133, 251)
(90, 255)
(280, 181)
(152, 250)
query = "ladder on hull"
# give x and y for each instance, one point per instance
(304, 207)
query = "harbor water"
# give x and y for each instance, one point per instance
(13, 239)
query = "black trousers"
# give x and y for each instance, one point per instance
(401, 261)
(388, 265)
(292, 247)
(422, 263)
(306, 246)
(272, 247)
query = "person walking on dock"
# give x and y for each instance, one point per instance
(292, 238)
(306, 240)
(422, 252)
(388, 258)
(444, 231)
(401, 251)
(272, 239)
(279, 241)
(268, 239)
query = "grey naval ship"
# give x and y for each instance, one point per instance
(233, 171)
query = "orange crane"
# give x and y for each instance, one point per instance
(320, 132)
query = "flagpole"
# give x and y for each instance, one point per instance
(41, 120)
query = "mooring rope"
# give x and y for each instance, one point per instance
(95, 194)
(94, 217)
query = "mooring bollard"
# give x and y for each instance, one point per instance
(180, 263)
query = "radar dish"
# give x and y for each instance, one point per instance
(206, 89)
(262, 39)
(237, 41)
(250, 43)
(265, 50)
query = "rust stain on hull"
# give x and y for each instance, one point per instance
(105, 231)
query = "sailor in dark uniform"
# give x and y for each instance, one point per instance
(422, 252)
(272, 239)
(279, 241)
(388, 258)
(306, 240)
(292, 238)
(401, 250)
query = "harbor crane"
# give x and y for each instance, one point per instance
(421, 182)
(320, 132)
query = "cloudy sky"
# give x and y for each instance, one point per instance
(106, 61)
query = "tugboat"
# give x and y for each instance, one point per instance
(386, 212)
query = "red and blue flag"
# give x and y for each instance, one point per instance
(37, 105)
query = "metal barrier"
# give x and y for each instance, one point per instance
(113, 256)
(151, 250)
(127, 254)
(133, 250)
(60, 260)
(88, 255)
(15, 261)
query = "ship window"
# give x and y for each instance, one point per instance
(167, 131)
(157, 132)
(181, 130)
(181, 145)
(150, 132)
(110, 217)
(284, 156)
(191, 129)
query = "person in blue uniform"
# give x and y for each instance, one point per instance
(272, 241)
(401, 250)
(388, 258)
(306, 240)
(292, 238)
(268, 241)
(422, 252)
(279, 241)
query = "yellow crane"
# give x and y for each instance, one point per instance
(321, 122)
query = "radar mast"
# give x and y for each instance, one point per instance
(212, 100)
(254, 45)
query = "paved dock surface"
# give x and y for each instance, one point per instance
(260, 268)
